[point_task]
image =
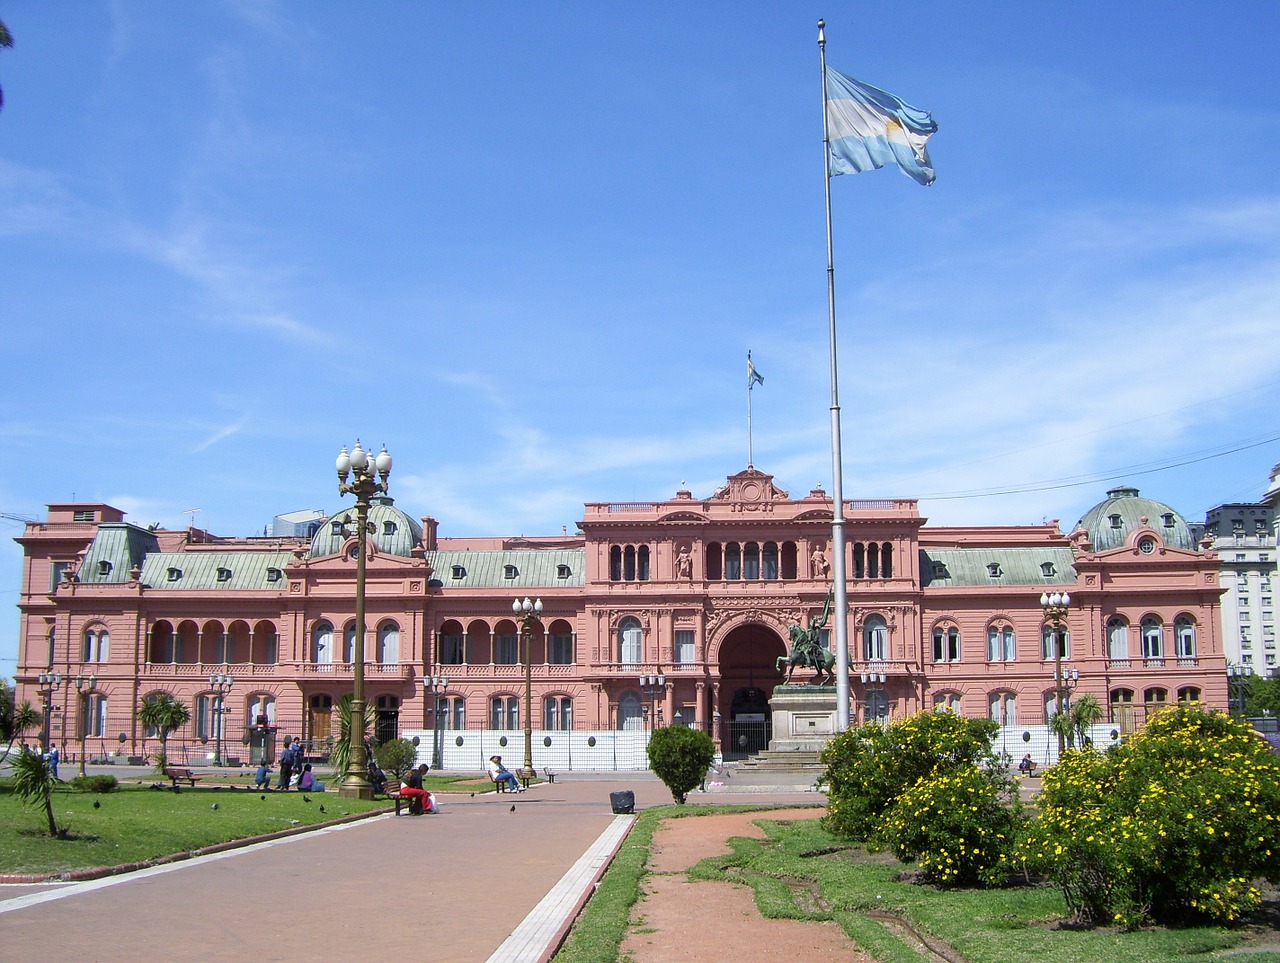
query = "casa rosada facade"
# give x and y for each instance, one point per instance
(700, 590)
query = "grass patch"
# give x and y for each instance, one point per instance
(137, 823)
(801, 872)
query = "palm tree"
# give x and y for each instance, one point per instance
(165, 714)
(23, 719)
(1086, 711)
(341, 753)
(33, 782)
(6, 40)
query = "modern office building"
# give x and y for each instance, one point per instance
(702, 590)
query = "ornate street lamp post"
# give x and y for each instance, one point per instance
(434, 686)
(47, 684)
(527, 612)
(1239, 679)
(84, 687)
(652, 686)
(873, 685)
(221, 685)
(1055, 605)
(358, 475)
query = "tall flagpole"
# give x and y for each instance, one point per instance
(837, 495)
(751, 383)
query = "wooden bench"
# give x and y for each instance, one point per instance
(550, 774)
(393, 794)
(500, 785)
(176, 775)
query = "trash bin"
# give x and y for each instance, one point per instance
(623, 801)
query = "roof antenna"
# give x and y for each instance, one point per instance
(191, 522)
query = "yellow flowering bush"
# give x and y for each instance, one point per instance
(868, 768)
(1176, 823)
(960, 826)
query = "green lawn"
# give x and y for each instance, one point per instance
(801, 872)
(138, 823)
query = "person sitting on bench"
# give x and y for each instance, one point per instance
(420, 799)
(1028, 765)
(501, 774)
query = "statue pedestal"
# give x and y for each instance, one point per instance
(804, 717)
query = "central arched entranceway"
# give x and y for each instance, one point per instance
(748, 673)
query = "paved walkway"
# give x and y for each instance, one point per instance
(478, 881)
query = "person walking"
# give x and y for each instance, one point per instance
(288, 759)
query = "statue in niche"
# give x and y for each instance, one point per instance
(818, 565)
(807, 650)
(684, 563)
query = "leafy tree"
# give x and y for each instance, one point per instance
(397, 756)
(680, 757)
(166, 715)
(1263, 697)
(868, 768)
(6, 710)
(33, 782)
(1073, 723)
(1174, 824)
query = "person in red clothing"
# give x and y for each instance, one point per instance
(420, 800)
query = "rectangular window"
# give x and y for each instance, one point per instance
(684, 646)
(506, 650)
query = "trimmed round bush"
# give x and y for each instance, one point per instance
(680, 757)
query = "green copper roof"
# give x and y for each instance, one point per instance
(117, 548)
(967, 567)
(1111, 522)
(225, 571)
(517, 569)
(393, 530)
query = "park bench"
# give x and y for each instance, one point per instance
(500, 785)
(176, 775)
(415, 805)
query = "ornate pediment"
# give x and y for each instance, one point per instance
(750, 491)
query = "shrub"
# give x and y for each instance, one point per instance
(396, 756)
(961, 826)
(102, 782)
(680, 757)
(1175, 823)
(871, 766)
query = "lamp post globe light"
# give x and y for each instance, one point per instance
(1239, 679)
(435, 686)
(364, 477)
(527, 612)
(84, 688)
(221, 684)
(652, 686)
(1056, 605)
(47, 684)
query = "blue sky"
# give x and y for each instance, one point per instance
(528, 247)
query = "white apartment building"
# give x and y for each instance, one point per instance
(1244, 536)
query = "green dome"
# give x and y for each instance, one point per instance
(1110, 523)
(391, 529)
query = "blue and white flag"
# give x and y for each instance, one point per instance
(754, 377)
(868, 128)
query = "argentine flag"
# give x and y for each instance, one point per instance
(868, 128)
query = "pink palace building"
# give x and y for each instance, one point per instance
(699, 590)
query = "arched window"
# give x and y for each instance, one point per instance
(97, 646)
(946, 643)
(714, 567)
(642, 561)
(454, 710)
(386, 723)
(322, 643)
(946, 702)
(1184, 630)
(319, 717)
(93, 715)
(732, 562)
(1051, 703)
(1155, 698)
(1152, 638)
(1122, 709)
(629, 563)
(630, 712)
(615, 563)
(859, 560)
(388, 643)
(349, 643)
(504, 712)
(751, 562)
(557, 713)
(875, 639)
(1004, 708)
(261, 709)
(886, 560)
(1189, 693)
(1117, 639)
(1001, 644)
(770, 561)
(630, 639)
(1049, 638)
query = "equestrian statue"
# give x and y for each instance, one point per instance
(807, 650)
